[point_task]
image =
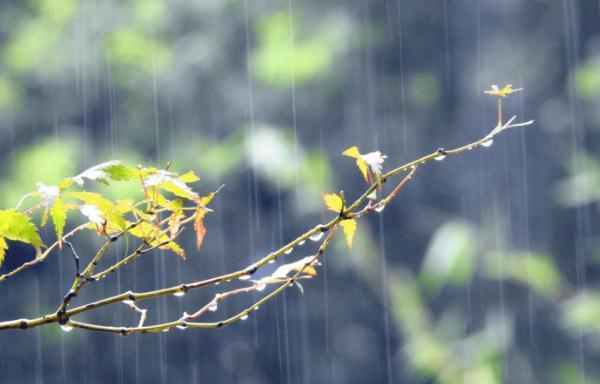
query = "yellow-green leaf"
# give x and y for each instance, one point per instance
(189, 177)
(360, 163)
(3, 248)
(17, 226)
(111, 213)
(66, 183)
(155, 236)
(349, 227)
(333, 202)
(59, 217)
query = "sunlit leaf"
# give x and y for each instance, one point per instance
(113, 170)
(17, 226)
(58, 211)
(189, 177)
(349, 227)
(66, 183)
(154, 236)
(360, 163)
(333, 202)
(170, 182)
(108, 210)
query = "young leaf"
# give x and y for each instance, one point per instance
(360, 163)
(113, 170)
(170, 182)
(108, 211)
(349, 227)
(154, 236)
(333, 202)
(17, 226)
(189, 177)
(59, 217)
(3, 248)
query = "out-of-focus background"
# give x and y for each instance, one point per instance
(484, 270)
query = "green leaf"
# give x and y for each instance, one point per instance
(113, 170)
(111, 213)
(17, 226)
(59, 217)
(3, 248)
(170, 182)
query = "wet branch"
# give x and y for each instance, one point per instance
(356, 209)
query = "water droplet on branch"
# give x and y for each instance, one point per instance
(380, 208)
(487, 143)
(260, 286)
(66, 327)
(316, 236)
(440, 157)
(289, 251)
(179, 294)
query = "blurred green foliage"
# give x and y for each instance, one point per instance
(587, 79)
(47, 162)
(450, 257)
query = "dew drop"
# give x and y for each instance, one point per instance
(487, 143)
(380, 208)
(288, 251)
(128, 302)
(470, 147)
(245, 277)
(317, 236)
(213, 307)
(244, 316)
(440, 157)
(271, 261)
(66, 327)
(302, 242)
(260, 287)
(179, 294)
(181, 326)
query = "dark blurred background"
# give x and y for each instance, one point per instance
(484, 270)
